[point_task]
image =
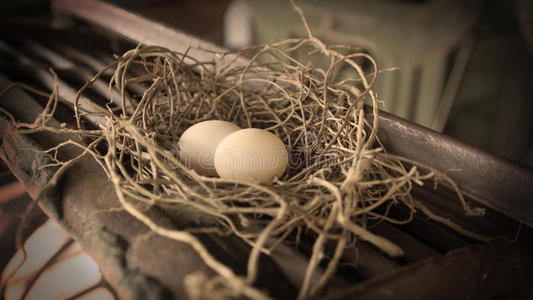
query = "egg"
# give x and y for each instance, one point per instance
(251, 154)
(198, 143)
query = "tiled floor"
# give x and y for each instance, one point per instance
(54, 267)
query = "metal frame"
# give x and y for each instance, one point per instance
(84, 203)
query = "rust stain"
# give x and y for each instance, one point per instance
(3, 222)
(8, 151)
(11, 141)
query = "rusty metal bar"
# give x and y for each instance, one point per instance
(141, 30)
(492, 180)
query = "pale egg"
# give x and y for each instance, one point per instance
(198, 143)
(251, 154)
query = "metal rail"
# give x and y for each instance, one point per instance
(141, 30)
(141, 265)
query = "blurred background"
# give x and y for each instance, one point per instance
(460, 67)
(464, 67)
